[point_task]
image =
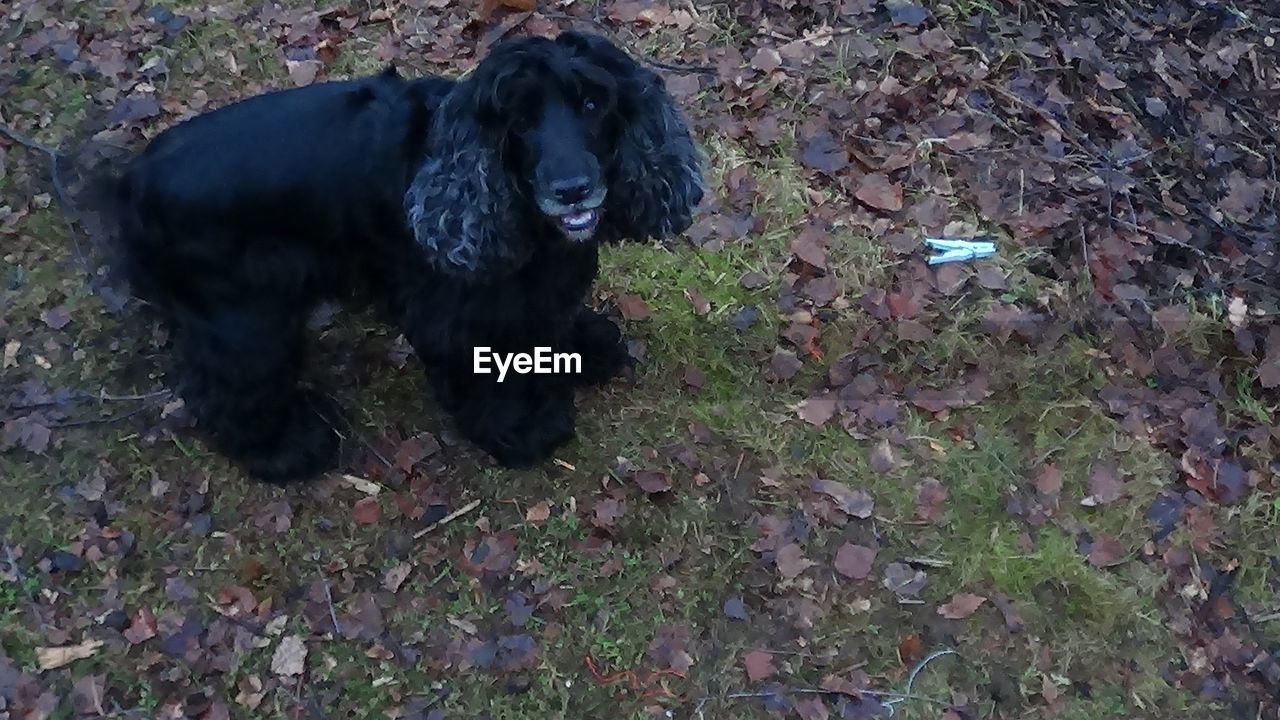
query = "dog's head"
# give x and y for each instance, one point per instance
(571, 131)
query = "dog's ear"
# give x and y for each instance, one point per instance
(460, 202)
(655, 177)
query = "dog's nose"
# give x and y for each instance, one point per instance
(572, 190)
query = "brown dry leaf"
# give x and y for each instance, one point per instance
(784, 364)
(791, 561)
(817, 410)
(766, 60)
(487, 7)
(701, 305)
(856, 503)
(87, 694)
(303, 72)
(1107, 551)
(49, 658)
(961, 606)
(539, 513)
(367, 511)
(883, 458)
(396, 576)
(633, 307)
(876, 190)
(1109, 81)
(653, 481)
(812, 708)
(1049, 480)
(855, 561)
(811, 246)
(1105, 485)
(142, 628)
(930, 494)
(290, 657)
(759, 665)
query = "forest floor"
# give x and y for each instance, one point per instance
(842, 483)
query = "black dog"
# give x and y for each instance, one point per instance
(469, 211)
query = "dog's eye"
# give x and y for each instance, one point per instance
(589, 105)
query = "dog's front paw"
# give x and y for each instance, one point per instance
(524, 434)
(305, 446)
(604, 353)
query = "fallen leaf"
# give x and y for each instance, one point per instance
(821, 152)
(734, 608)
(539, 513)
(633, 307)
(368, 487)
(56, 317)
(653, 481)
(856, 503)
(909, 648)
(811, 708)
(290, 656)
(396, 576)
(87, 695)
(961, 606)
(855, 561)
(759, 665)
(930, 494)
(1105, 485)
(1106, 552)
(701, 305)
(817, 410)
(142, 628)
(48, 658)
(791, 561)
(784, 364)
(26, 432)
(1049, 480)
(811, 246)
(1108, 81)
(766, 60)
(876, 190)
(303, 72)
(693, 377)
(367, 511)
(904, 580)
(882, 457)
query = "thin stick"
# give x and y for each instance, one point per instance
(328, 596)
(54, 159)
(448, 518)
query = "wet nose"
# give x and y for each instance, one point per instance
(571, 191)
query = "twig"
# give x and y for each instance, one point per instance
(54, 160)
(448, 518)
(915, 672)
(328, 596)
(101, 421)
(702, 69)
(1166, 239)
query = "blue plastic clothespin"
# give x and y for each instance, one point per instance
(958, 250)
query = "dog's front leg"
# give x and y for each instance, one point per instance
(519, 420)
(599, 341)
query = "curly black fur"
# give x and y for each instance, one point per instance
(470, 211)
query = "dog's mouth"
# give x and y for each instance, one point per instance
(579, 224)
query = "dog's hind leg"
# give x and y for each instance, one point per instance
(238, 370)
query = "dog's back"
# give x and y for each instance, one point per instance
(301, 171)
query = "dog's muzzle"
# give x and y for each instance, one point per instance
(578, 222)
